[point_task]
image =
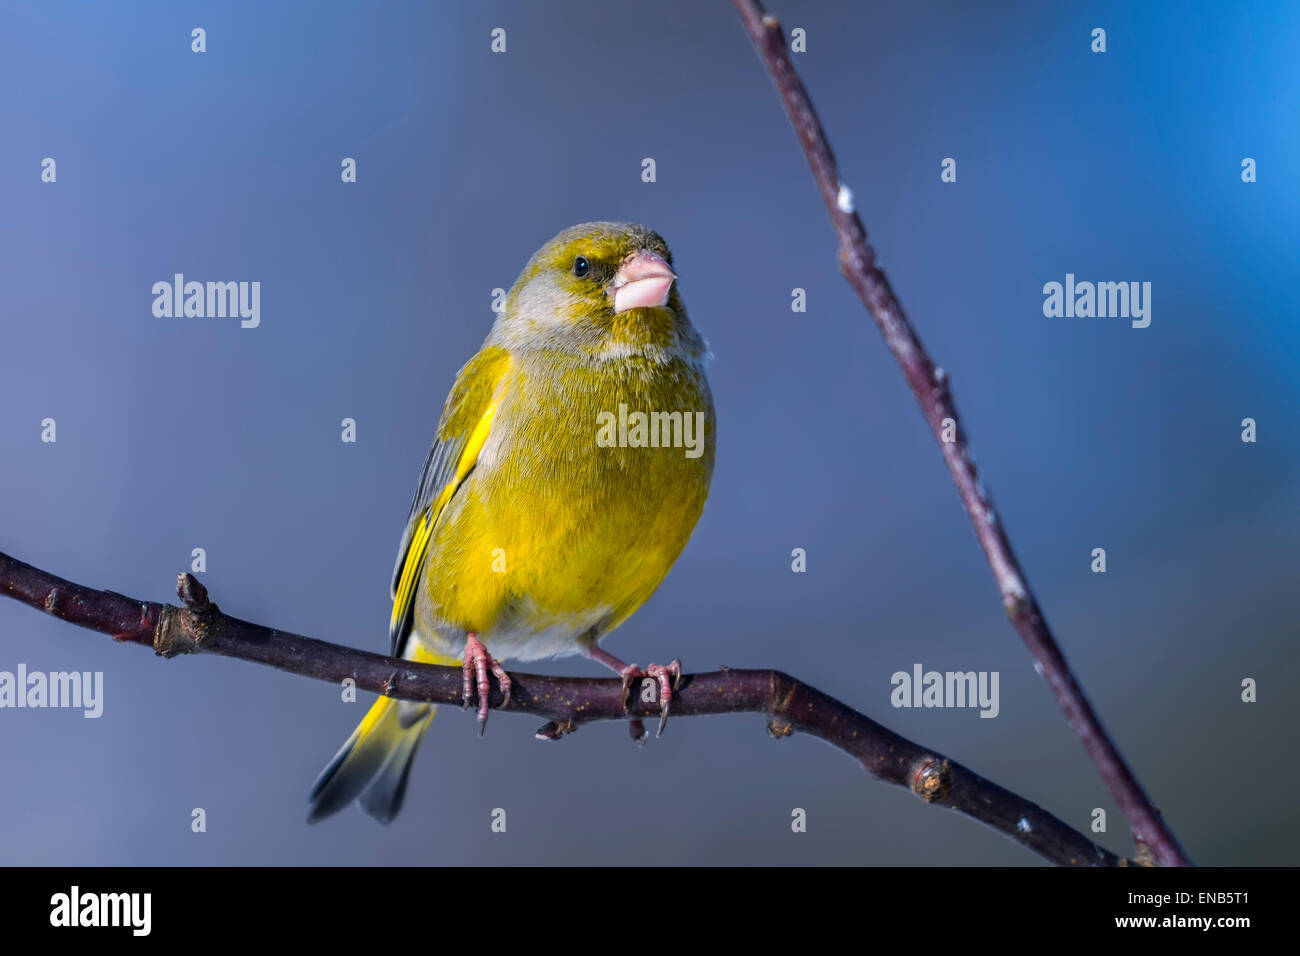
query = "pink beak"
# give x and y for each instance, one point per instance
(642, 282)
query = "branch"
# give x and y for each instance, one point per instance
(568, 702)
(929, 384)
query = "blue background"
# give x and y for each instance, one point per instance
(183, 433)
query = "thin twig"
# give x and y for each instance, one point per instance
(930, 385)
(198, 626)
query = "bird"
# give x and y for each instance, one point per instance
(570, 465)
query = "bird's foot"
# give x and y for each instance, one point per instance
(475, 677)
(667, 678)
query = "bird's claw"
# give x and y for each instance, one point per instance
(636, 727)
(668, 677)
(474, 676)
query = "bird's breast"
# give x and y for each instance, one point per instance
(585, 492)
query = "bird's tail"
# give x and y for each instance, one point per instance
(375, 762)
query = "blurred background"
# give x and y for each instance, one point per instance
(175, 434)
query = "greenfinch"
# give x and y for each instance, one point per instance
(571, 463)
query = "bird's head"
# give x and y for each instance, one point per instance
(607, 288)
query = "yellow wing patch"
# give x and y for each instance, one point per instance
(414, 561)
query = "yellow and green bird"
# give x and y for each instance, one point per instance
(571, 463)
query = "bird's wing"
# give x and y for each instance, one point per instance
(462, 430)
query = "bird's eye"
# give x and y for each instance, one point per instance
(581, 266)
